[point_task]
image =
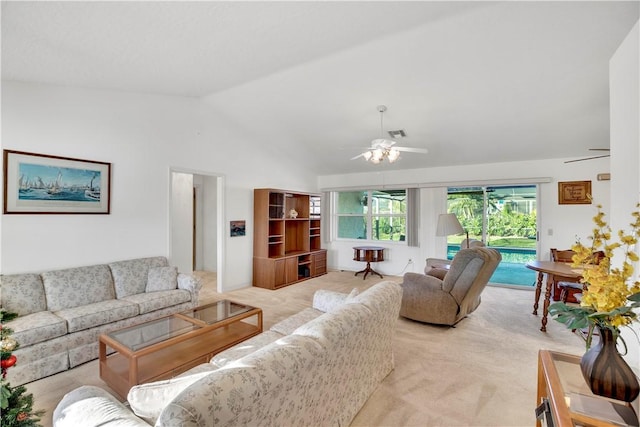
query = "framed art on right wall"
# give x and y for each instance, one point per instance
(574, 193)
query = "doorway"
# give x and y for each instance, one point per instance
(503, 217)
(196, 226)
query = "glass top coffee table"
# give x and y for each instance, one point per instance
(165, 347)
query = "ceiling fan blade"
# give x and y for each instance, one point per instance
(599, 149)
(587, 158)
(412, 150)
(358, 156)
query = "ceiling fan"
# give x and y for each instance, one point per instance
(592, 157)
(383, 148)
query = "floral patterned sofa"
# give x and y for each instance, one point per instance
(63, 312)
(315, 368)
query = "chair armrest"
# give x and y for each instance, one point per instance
(421, 281)
(437, 272)
(436, 263)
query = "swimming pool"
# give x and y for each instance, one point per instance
(511, 270)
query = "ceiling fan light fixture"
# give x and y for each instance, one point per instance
(377, 154)
(393, 155)
(382, 148)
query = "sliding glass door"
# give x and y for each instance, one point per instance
(503, 217)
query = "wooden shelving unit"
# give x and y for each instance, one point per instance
(286, 250)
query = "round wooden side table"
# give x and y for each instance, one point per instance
(368, 254)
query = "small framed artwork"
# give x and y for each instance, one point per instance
(238, 228)
(44, 184)
(574, 193)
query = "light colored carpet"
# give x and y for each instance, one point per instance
(480, 373)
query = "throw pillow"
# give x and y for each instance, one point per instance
(148, 400)
(162, 279)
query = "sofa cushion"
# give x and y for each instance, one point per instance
(162, 279)
(152, 301)
(291, 323)
(148, 400)
(22, 294)
(37, 327)
(100, 313)
(246, 347)
(75, 287)
(130, 276)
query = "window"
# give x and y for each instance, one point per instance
(372, 215)
(504, 217)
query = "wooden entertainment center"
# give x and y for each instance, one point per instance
(286, 244)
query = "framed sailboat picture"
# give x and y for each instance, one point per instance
(44, 184)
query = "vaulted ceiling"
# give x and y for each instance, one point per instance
(473, 82)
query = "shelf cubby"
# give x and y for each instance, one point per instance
(276, 206)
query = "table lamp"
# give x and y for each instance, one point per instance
(448, 224)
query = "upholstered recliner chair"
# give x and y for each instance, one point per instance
(448, 300)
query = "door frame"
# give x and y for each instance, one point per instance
(220, 224)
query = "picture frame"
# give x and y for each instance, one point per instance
(237, 228)
(46, 184)
(574, 193)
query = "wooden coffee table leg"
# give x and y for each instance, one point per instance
(102, 358)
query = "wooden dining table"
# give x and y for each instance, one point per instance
(550, 269)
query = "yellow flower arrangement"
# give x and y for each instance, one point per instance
(611, 294)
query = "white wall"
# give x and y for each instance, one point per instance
(625, 130)
(565, 221)
(143, 136)
(198, 212)
(624, 79)
(209, 224)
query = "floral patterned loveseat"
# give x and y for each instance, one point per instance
(63, 312)
(315, 368)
